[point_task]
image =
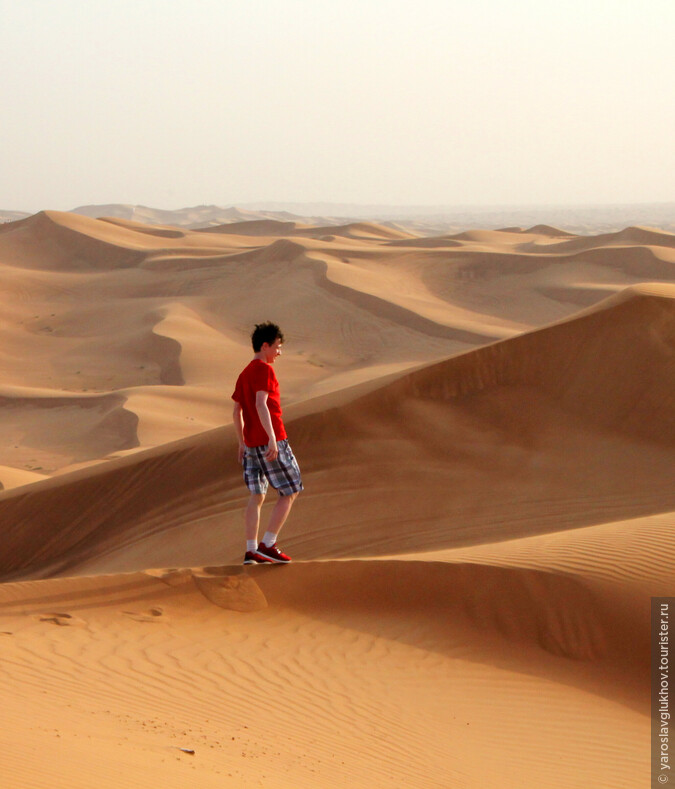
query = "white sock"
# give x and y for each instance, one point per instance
(251, 546)
(269, 539)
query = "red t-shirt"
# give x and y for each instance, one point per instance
(258, 376)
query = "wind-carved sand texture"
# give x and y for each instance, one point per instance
(485, 423)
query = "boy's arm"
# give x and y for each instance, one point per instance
(238, 419)
(266, 421)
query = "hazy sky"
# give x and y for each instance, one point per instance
(170, 103)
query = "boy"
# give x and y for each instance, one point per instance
(263, 446)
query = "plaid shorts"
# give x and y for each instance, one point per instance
(283, 474)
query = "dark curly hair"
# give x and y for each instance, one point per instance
(265, 332)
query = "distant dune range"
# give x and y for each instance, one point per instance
(420, 220)
(486, 427)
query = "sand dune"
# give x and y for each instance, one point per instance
(630, 236)
(271, 228)
(513, 417)
(196, 216)
(338, 637)
(548, 230)
(486, 428)
(260, 227)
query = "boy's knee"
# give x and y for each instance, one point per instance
(257, 498)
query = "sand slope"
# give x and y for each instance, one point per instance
(486, 429)
(391, 673)
(571, 424)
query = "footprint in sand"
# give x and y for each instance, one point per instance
(62, 619)
(152, 615)
(235, 592)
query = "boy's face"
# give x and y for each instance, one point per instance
(271, 351)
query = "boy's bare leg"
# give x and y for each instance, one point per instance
(252, 515)
(280, 513)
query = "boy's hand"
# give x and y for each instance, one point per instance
(241, 452)
(272, 451)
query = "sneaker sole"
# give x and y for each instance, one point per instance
(266, 560)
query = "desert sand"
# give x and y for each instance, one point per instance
(485, 422)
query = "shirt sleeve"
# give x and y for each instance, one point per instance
(262, 378)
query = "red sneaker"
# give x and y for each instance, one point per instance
(272, 554)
